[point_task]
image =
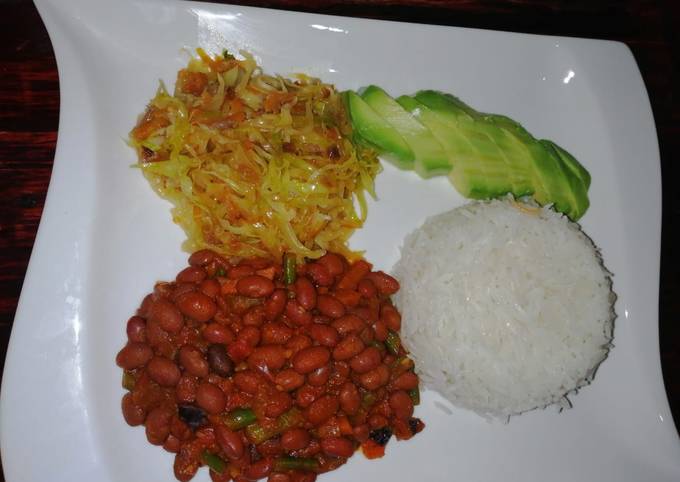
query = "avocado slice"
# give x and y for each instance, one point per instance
(430, 156)
(376, 131)
(570, 161)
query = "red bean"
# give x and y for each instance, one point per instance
(377, 421)
(306, 395)
(305, 293)
(230, 442)
(193, 361)
(259, 469)
(329, 306)
(337, 447)
(366, 361)
(210, 398)
(319, 376)
(319, 274)
(347, 297)
(380, 330)
(192, 274)
(201, 257)
(294, 439)
(333, 263)
(210, 287)
(277, 404)
(279, 477)
(269, 357)
(310, 359)
(157, 425)
(180, 290)
(401, 405)
(376, 378)
(254, 316)
(349, 324)
(136, 329)
(324, 334)
(247, 381)
(275, 304)
(322, 409)
(356, 272)
(197, 306)
(155, 334)
(216, 333)
(348, 347)
(367, 289)
(366, 335)
(289, 379)
(172, 444)
(385, 283)
(166, 315)
(163, 371)
(391, 317)
(133, 414)
(298, 342)
(185, 391)
(297, 314)
(349, 398)
(276, 333)
(250, 335)
(405, 381)
(361, 432)
(238, 272)
(255, 286)
(134, 355)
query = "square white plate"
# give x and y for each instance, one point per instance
(105, 237)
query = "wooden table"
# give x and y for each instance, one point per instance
(29, 109)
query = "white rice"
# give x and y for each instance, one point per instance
(504, 309)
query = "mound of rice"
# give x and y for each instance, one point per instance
(505, 307)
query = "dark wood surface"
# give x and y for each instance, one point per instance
(29, 110)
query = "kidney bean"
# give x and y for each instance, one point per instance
(269, 357)
(348, 347)
(230, 442)
(254, 316)
(210, 287)
(340, 373)
(322, 409)
(134, 415)
(376, 378)
(347, 297)
(319, 376)
(166, 315)
(324, 335)
(349, 398)
(249, 335)
(376, 421)
(401, 405)
(279, 477)
(277, 404)
(367, 289)
(185, 391)
(163, 371)
(305, 293)
(309, 359)
(405, 381)
(162, 289)
(319, 274)
(216, 333)
(240, 271)
(356, 272)
(136, 329)
(297, 314)
(270, 448)
(366, 335)
(254, 286)
(247, 381)
(391, 317)
(197, 305)
(333, 263)
(365, 313)
(366, 361)
(275, 333)
(294, 439)
(348, 324)
(385, 283)
(298, 342)
(180, 290)
(337, 447)
(329, 306)
(155, 335)
(380, 330)
(193, 361)
(219, 360)
(192, 274)
(179, 428)
(306, 395)
(361, 432)
(210, 398)
(275, 304)
(143, 310)
(259, 469)
(157, 425)
(134, 355)
(289, 379)
(172, 444)
(303, 476)
(201, 257)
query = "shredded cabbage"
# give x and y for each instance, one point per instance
(255, 165)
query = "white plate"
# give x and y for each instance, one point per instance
(105, 237)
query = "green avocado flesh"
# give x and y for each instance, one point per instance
(484, 155)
